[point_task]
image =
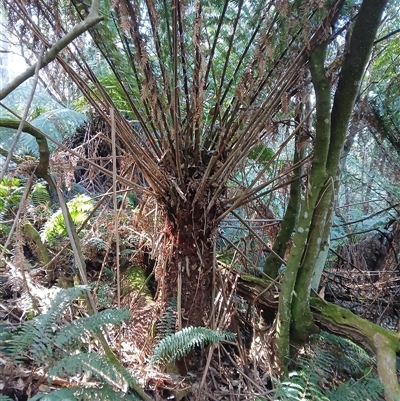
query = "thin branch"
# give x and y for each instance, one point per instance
(23, 119)
(369, 216)
(91, 20)
(390, 34)
(116, 220)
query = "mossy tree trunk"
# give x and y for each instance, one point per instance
(273, 264)
(294, 319)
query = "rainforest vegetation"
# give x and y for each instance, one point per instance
(199, 200)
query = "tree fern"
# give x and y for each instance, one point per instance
(178, 345)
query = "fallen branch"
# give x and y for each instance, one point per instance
(337, 320)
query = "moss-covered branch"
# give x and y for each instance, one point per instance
(91, 20)
(33, 234)
(337, 320)
(44, 153)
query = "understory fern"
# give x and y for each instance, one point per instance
(166, 324)
(55, 227)
(105, 393)
(61, 349)
(40, 195)
(323, 375)
(176, 346)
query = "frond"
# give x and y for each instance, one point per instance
(37, 335)
(166, 324)
(178, 345)
(40, 195)
(55, 227)
(333, 356)
(105, 393)
(98, 365)
(5, 398)
(367, 388)
(91, 324)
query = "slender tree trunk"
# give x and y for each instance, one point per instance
(294, 320)
(273, 264)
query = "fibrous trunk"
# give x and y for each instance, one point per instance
(186, 271)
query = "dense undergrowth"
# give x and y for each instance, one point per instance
(59, 341)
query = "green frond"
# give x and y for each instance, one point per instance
(37, 335)
(91, 324)
(20, 343)
(4, 398)
(11, 190)
(178, 345)
(98, 365)
(105, 393)
(79, 208)
(40, 195)
(332, 356)
(166, 324)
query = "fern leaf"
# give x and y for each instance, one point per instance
(63, 394)
(98, 365)
(105, 393)
(37, 334)
(166, 324)
(91, 324)
(5, 398)
(20, 343)
(178, 345)
(40, 195)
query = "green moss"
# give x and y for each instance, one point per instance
(256, 280)
(341, 316)
(135, 281)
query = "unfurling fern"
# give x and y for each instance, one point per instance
(176, 346)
